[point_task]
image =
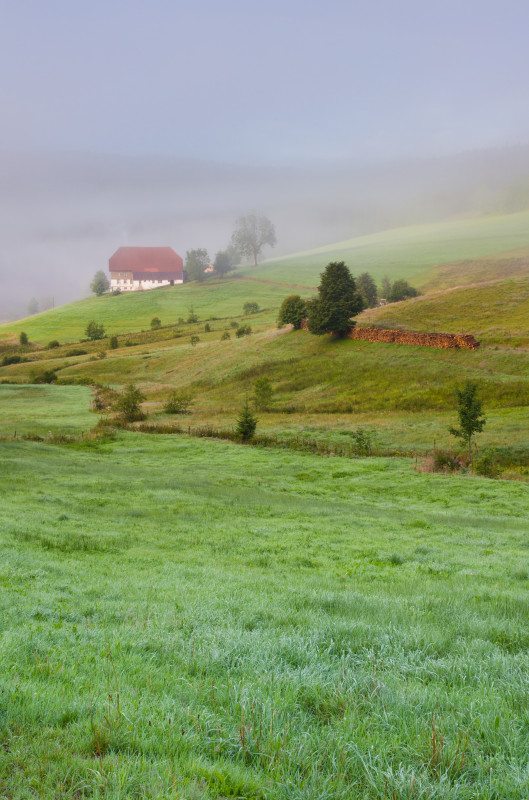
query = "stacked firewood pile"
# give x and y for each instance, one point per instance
(463, 341)
(446, 340)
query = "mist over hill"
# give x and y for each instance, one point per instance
(63, 215)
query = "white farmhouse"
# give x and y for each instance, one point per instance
(135, 269)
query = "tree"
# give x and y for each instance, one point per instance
(401, 290)
(222, 263)
(156, 323)
(246, 423)
(250, 308)
(23, 338)
(385, 287)
(129, 404)
(197, 261)
(194, 340)
(178, 402)
(470, 413)
(293, 311)
(262, 393)
(338, 301)
(368, 289)
(100, 283)
(251, 234)
(33, 307)
(94, 331)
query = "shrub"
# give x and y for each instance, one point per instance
(12, 360)
(207, 327)
(114, 344)
(292, 311)
(181, 321)
(262, 393)
(77, 351)
(251, 308)
(234, 324)
(156, 323)
(115, 292)
(128, 343)
(129, 404)
(23, 338)
(246, 423)
(444, 461)
(363, 441)
(178, 402)
(486, 463)
(225, 335)
(48, 376)
(94, 331)
(194, 340)
(401, 290)
(53, 344)
(192, 317)
(243, 330)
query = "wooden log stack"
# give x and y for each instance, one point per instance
(461, 341)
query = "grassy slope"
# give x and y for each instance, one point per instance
(406, 252)
(496, 313)
(277, 626)
(45, 409)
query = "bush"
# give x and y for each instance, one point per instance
(178, 402)
(234, 324)
(207, 327)
(7, 360)
(128, 343)
(225, 335)
(48, 376)
(444, 461)
(292, 311)
(246, 423)
(23, 338)
(94, 331)
(401, 290)
(115, 292)
(243, 330)
(114, 344)
(129, 404)
(363, 441)
(156, 323)
(192, 317)
(53, 344)
(77, 351)
(486, 463)
(194, 340)
(251, 308)
(181, 321)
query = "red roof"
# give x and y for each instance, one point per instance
(146, 259)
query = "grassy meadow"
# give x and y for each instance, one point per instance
(196, 619)
(192, 618)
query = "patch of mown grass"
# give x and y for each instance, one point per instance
(253, 623)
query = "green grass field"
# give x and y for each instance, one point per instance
(192, 619)
(410, 253)
(45, 409)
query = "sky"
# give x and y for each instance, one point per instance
(264, 82)
(160, 122)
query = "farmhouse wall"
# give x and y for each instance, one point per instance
(446, 340)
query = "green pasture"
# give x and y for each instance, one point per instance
(129, 312)
(412, 252)
(45, 409)
(193, 619)
(496, 313)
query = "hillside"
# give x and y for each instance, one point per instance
(496, 312)
(414, 252)
(482, 249)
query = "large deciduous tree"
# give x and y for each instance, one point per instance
(251, 234)
(100, 283)
(197, 261)
(368, 289)
(337, 302)
(222, 263)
